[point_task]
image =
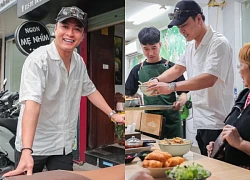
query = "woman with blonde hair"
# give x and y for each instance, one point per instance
(236, 131)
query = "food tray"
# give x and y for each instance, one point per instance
(149, 107)
(139, 149)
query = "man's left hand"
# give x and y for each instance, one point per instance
(159, 88)
(119, 118)
(177, 105)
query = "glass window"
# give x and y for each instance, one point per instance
(13, 66)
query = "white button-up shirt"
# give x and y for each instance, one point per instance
(213, 56)
(46, 81)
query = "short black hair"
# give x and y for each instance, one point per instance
(149, 35)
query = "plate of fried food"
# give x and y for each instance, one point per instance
(157, 162)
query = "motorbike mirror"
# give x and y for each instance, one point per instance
(4, 82)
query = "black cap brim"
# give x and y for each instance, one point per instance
(64, 18)
(177, 21)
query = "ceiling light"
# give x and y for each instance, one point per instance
(147, 14)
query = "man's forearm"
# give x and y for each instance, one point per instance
(97, 99)
(29, 123)
(199, 82)
(172, 73)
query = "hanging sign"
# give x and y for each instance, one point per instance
(25, 6)
(31, 35)
(6, 4)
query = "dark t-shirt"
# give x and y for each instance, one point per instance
(131, 85)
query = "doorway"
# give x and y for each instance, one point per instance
(101, 71)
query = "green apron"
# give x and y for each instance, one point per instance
(171, 125)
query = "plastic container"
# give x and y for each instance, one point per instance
(133, 142)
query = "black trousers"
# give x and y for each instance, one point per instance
(204, 136)
(62, 162)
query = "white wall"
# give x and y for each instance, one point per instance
(245, 21)
(10, 21)
(120, 31)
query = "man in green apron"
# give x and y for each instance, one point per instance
(152, 67)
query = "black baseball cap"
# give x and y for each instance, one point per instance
(182, 11)
(72, 12)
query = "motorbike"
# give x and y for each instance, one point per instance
(9, 112)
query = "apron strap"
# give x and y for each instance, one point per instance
(141, 65)
(166, 63)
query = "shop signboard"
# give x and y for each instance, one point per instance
(6, 4)
(25, 6)
(31, 35)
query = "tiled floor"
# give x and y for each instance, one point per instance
(84, 167)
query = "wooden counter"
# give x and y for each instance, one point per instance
(109, 173)
(220, 170)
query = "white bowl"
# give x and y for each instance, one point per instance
(143, 90)
(176, 149)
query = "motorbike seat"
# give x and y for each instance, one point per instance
(9, 123)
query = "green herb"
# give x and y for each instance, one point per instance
(190, 172)
(145, 154)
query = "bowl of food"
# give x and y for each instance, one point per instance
(176, 146)
(143, 89)
(143, 154)
(188, 172)
(130, 157)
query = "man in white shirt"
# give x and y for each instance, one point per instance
(53, 79)
(208, 62)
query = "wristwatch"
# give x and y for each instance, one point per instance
(111, 113)
(154, 78)
(172, 86)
